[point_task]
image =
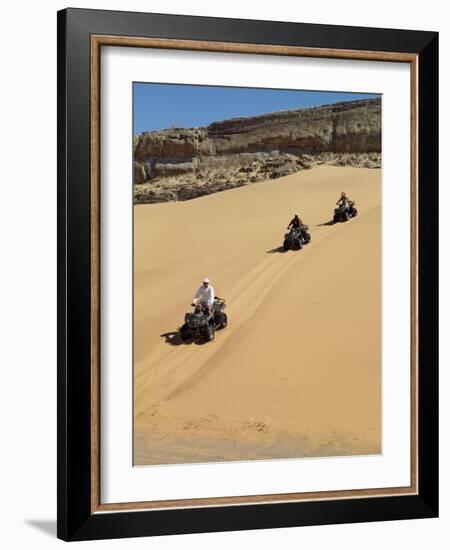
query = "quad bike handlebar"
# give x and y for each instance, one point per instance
(216, 299)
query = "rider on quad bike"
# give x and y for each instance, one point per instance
(346, 209)
(298, 234)
(204, 294)
(343, 200)
(296, 223)
(208, 314)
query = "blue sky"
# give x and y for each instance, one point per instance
(159, 106)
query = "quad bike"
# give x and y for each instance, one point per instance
(306, 235)
(203, 323)
(345, 212)
(296, 237)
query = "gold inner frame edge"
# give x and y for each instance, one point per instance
(97, 41)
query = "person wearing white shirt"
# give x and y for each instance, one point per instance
(205, 294)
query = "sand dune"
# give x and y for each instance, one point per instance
(297, 371)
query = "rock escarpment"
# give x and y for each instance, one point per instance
(179, 163)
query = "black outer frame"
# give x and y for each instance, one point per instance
(75, 521)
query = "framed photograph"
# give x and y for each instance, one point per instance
(247, 255)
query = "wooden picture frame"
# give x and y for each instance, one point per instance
(81, 35)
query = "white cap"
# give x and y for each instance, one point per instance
(206, 280)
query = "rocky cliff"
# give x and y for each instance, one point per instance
(179, 163)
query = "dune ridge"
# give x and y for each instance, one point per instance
(260, 390)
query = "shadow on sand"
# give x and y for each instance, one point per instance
(174, 339)
(279, 250)
(331, 222)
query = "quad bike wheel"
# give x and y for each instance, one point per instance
(223, 320)
(209, 333)
(335, 218)
(286, 245)
(298, 244)
(307, 238)
(184, 332)
(346, 216)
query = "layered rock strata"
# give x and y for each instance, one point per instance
(180, 164)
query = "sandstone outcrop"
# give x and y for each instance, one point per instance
(179, 163)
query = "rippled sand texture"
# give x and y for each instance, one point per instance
(297, 372)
